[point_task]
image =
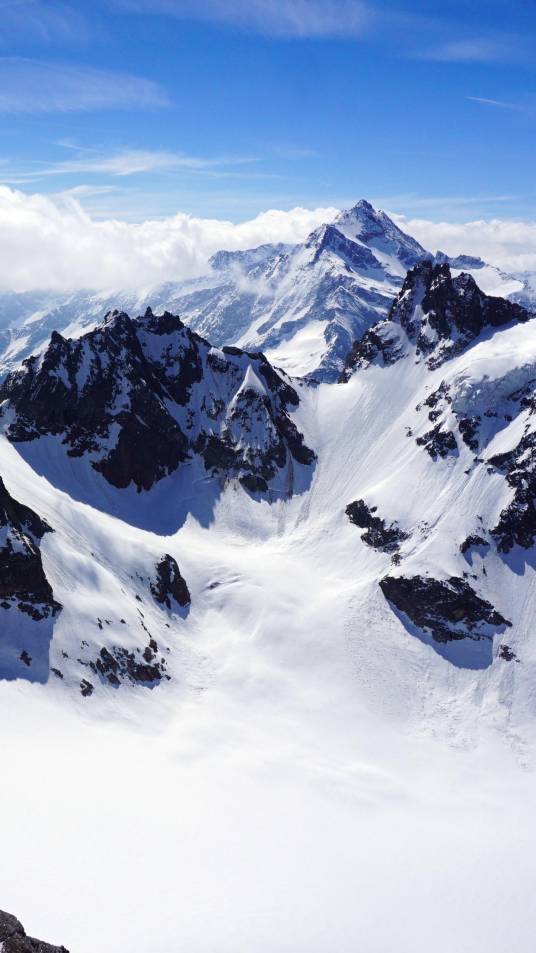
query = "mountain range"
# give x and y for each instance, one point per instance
(141, 463)
(267, 593)
(304, 305)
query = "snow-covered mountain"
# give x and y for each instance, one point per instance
(236, 603)
(132, 406)
(304, 305)
(139, 439)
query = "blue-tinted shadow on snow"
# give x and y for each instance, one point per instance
(468, 653)
(189, 491)
(25, 646)
(518, 559)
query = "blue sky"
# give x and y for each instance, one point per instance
(142, 108)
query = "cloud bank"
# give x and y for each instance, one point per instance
(508, 243)
(53, 243)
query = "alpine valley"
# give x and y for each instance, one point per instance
(267, 603)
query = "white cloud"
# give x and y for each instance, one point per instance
(508, 243)
(56, 244)
(34, 86)
(292, 18)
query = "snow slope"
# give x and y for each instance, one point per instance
(318, 773)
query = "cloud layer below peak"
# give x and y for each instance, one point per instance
(53, 243)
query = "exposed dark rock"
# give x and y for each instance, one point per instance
(169, 584)
(380, 344)
(86, 688)
(13, 938)
(23, 583)
(438, 442)
(378, 535)
(473, 542)
(450, 609)
(468, 427)
(506, 653)
(517, 521)
(437, 315)
(452, 313)
(117, 665)
(141, 397)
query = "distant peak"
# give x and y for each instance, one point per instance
(363, 205)
(374, 228)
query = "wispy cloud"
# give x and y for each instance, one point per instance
(30, 86)
(39, 21)
(135, 161)
(496, 102)
(129, 162)
(476, 50)
(285, 18)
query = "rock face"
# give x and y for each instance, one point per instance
(474, 413)
(23, 584)
(117, 665)
(378, 534)
(138, 398)
(13, 938)
(517, 521)
(450, 609)
(433, 318)
(169, 586)
(438, 442)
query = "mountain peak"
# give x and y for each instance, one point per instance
(374, 228)
(436, 316)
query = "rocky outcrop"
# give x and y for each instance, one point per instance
(474, 541)
(169, 586)
(517, 521)
(117, 665)
(379, 535)
(438, 442)
(433, 318)
(138, 398)
(23, 584)
(13, 938)
(449, 609)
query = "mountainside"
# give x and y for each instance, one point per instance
(304, 305)
(434, 317)
(131, 406)
(138, 398)
(427, 446)
(240, 596)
